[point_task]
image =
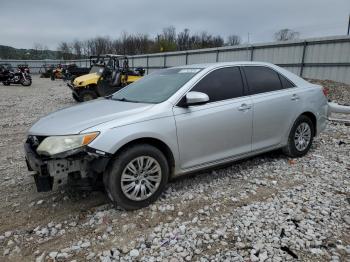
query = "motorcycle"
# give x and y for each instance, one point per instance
(21, 76)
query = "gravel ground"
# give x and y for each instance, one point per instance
(266, 208)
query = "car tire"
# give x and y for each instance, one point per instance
(300, 137)
(87, 95)
(125, 176)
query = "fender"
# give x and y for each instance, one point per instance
(112, 139)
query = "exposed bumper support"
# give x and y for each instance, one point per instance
(80, 170)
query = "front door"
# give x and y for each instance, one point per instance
(219, 129)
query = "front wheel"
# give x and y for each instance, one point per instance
(87, 95)
(300, 137)
(137, 176)
(75, 97)
(26, 82)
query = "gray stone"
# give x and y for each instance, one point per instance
(85, 244)
(40, 258)
(346, 219)
(134, 253)
(53, 254)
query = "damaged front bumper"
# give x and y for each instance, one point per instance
(81, 169)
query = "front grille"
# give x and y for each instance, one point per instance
(34, 141)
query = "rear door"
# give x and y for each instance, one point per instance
(275, 105)
(220, 128)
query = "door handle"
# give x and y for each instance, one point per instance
(244, 107)
(295, 97)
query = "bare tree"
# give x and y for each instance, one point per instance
(286, 34)
(65, 50)
(233, 40)
(131, 44)
(85, 51)
(169, 34)
(78, 49)
(37, 50)
(183, 40)
(101, 45)
(166, 41)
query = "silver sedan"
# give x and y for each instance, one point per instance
(173, 122)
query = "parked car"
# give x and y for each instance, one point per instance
(174, 122)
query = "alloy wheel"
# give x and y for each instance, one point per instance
(302, 136)
(141, 178)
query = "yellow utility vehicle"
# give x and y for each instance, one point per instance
(108, 74)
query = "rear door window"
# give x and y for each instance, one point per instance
(285, 82)
(262, 79)
(221, 84)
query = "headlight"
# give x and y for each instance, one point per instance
(57, 144)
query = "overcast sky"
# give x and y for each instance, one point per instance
(24, 22)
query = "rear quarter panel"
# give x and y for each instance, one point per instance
(311, 100)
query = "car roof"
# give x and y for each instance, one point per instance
(220, 64)
(210, 66)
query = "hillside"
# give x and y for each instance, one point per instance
(8, 52)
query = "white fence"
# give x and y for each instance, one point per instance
(319, 58)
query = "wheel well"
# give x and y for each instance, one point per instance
(88, 88)
(91, 87)
(313, 120)
(156, 143)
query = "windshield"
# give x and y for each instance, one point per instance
(97, 69)
(156, 87)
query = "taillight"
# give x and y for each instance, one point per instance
(325, 91)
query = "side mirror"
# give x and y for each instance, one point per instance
(196, 98)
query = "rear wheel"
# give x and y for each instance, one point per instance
(137, 176)
(87, 95)
(300, 137)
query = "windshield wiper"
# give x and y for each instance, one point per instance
(123, 99)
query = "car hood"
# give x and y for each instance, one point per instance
(73, 120)
(85, 78)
